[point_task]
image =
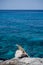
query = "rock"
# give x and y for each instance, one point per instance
(31, 61)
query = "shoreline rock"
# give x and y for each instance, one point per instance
(32, 61)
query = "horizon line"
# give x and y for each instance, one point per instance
(21, 9)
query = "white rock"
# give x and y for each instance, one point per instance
(27, 60)
(24, 61)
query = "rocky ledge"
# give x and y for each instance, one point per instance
(30, 61)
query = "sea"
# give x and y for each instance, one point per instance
(23, 27)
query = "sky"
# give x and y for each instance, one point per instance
(21, 4)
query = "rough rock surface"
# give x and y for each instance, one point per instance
(35, 61)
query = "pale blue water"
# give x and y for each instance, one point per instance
(21, 27)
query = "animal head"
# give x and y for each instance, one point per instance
(18, 53)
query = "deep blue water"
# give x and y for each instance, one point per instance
(21, 27)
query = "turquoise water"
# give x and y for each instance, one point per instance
(21, 27)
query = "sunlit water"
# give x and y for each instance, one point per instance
(21, 27)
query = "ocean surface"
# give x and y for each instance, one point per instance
(23, 27)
